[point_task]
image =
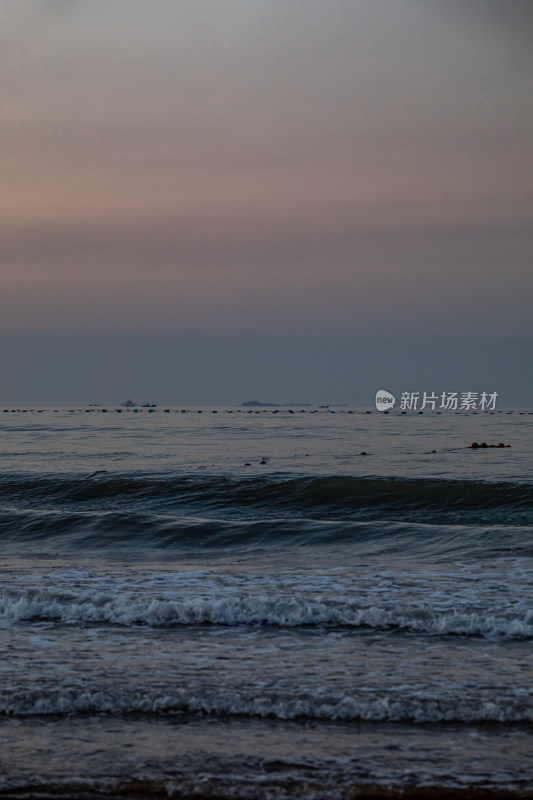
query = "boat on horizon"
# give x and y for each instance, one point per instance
(132, 404)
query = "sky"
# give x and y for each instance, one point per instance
(190, 370)
(286, 168)
(296, 166)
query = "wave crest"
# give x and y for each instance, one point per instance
(235, 610)
(404, 705)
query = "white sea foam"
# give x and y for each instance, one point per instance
(129, 609)
(408, 704)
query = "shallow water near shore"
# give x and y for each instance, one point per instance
(243, 605)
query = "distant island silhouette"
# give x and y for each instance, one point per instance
(273, 405)
(258, 403)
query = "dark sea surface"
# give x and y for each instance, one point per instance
(239, 603)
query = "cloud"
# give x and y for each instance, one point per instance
(293, 165)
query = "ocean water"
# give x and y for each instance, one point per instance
(240, 604)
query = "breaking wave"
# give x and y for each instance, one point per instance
(340, 493)
(234, 610)
(407, 704)
(191, 511)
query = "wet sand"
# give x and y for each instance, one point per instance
(221, 791)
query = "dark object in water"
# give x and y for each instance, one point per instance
(476, 446)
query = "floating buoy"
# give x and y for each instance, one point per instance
(476, 446)
(247, 464)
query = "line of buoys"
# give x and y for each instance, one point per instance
(476, 446)
(396, 412)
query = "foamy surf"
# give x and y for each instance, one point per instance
(407, 704)
(67, 608)
(321, 624)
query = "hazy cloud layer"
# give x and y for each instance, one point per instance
(298, 167)
(195, 369)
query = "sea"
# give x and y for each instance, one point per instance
(265, 603)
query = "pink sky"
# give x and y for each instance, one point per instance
(291, 166)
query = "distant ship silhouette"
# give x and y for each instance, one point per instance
(131, 404)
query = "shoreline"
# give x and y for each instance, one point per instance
(220, 790)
